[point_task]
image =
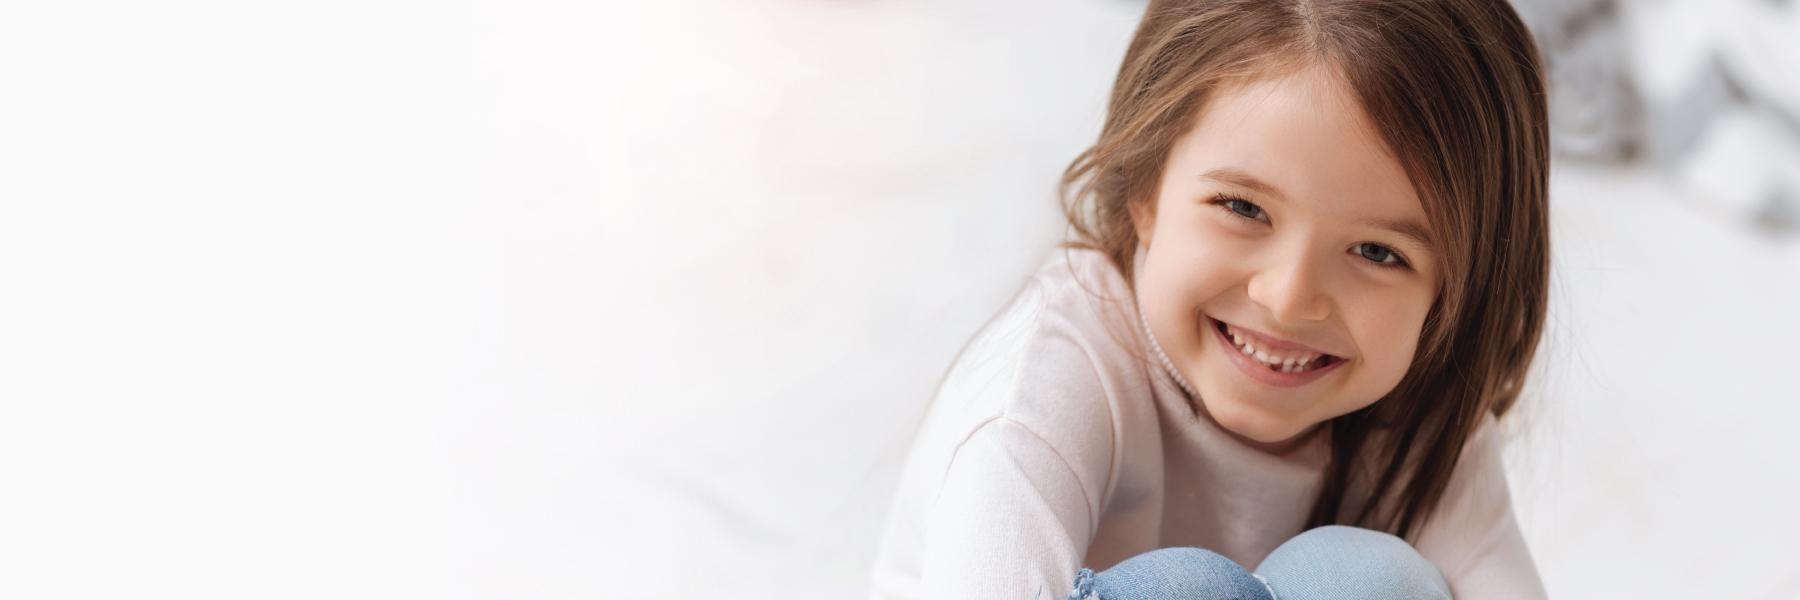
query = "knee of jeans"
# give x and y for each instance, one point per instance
(1340, 554)
(1342, 536)
(1177, 573)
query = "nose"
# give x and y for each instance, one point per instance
(1288, 288)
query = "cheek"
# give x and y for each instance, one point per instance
(1187, 275)
(1390, 336)
(1185, 254)
(1178, 280)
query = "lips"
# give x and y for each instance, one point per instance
(1285, 357)
(1273, 361)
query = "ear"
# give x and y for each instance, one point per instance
(1143, 219)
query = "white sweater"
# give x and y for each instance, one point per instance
(1056, 442)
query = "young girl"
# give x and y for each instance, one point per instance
(1308, 274)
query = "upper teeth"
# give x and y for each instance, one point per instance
(1286, 362)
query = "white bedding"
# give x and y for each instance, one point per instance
(556, 299)
(1654, 458)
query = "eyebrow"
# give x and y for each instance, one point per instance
(1241, 178)
(1407, 228)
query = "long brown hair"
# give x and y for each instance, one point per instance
(1456, 91)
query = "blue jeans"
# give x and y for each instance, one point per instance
(1334, 561)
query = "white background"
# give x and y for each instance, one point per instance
(571, 299)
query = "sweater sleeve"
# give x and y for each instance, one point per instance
(1474, 538)
(1012, 519)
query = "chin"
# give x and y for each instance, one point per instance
(1229, 414)
(1268, 434)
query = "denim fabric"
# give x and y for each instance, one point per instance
(1084, 586)
(1186, 573)
(1333, 562)
(1351, 563)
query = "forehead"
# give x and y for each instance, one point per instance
(1305, 134)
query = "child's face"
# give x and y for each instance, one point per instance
(1313, 269)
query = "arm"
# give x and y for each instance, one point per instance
(1474, 538)
(1012, 520)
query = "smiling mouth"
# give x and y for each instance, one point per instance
(1279, 361)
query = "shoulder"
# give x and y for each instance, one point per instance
(1063, 337)
(1056, 361)
(1037, 404)
(1474, 536)
(1475, 499)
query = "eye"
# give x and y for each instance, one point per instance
(1241, 207)
(1379, 254)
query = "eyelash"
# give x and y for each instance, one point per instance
(1224, 202)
